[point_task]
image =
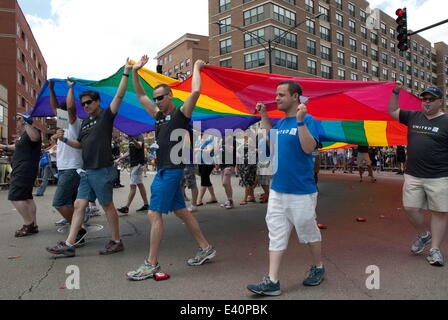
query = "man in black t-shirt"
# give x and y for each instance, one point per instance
(98, 172)
(136, 155)
(166, 192)
(426, 173)
(25, 166)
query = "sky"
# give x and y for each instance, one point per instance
(91, 39)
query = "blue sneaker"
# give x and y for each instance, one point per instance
(266, 287)
(315, 277)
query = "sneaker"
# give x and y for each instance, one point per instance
(202, 255)
(420, 243)
(94, 212)
(124, 210)
(228, 204)
(145, 208)
(266, 287)
(81, 238)
(87, 215)
(112, 247)
(193, 208)
(145, 271)
(62, 248)
(61, 222)
(435, 258)
(315, 277)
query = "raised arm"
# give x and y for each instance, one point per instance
(307, 141)
(149, 106)
(70, 142)
(190, 102)
(121, 91)
(53, 100)
(71, 109)
(393, 109)
(265, 122)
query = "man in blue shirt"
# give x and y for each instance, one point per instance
(293, 195)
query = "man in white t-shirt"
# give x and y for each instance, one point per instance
(68, 161)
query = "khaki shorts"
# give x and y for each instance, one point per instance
(137, 174)
(425, 193)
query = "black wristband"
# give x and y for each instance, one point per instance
(126, 75)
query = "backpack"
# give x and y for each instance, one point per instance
(44, 160)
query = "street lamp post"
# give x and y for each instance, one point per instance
(270, 48)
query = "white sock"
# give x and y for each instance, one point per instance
(69, 244)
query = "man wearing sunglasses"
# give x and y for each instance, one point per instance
(25, 166)
(98, 174)
(426, 173)
(166, 192)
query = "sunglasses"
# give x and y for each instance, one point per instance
(86, 103)
(160, 98)
(428, 99)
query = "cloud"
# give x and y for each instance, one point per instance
(421, 13)
(91, 39)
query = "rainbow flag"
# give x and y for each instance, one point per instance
(351, 112)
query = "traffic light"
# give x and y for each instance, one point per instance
(402, 29)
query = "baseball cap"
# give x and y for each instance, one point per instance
(25, 117)
(436, 92)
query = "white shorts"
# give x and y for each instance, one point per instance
(425, 193)
(291, 210)
(137, 174)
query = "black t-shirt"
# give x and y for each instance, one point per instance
(25, 163)
(136, 155)
(165, 125)
(427, 155)
(96, 140)
(115, 150)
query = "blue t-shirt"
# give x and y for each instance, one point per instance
(293, 168)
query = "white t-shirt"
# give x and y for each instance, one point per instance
(68, 157)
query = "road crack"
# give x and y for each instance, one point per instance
(38, 282)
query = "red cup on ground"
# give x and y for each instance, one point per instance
(361, 219)
(321, 226)
(161, 276)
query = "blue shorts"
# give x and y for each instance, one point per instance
(68, 183)
(97, 183)
(166, 193)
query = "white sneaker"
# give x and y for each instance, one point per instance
(193, 208)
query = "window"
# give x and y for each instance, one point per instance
(325, 71)
(392, 33)
(310, 27)
(253, 15)
(2, 114)
(384, 43)
(352, 26)
(325, 12)
(325, 33)
(392, 47)
(187, 62)
(393, 62)
(365, 66)
(224, 5)
(341, 57)
(352, 44)
(416, 72)
(353, 62)
(375, 71)
(385, 74)
(339, 4)
(254, 59)
(309, 6)
(422, 75)
(365, 78)
(401, 78)
(414, 45)
(362, 16)
(340, 39)
(414, 57)
(383, 28)
(311, 64)
(182, 65)
(311, 46)
(339, 20)
(384, 58)
(225, 46)
(253, 38)
(364, 50)
(285, 59)
(341, 74)
(325, 53)
(373, 38)
(393, 76)
(401, 65)
(353, 76)
(226, 63)
(286, 38)
(422, 62)
(364, 32)
(374, 54)
(351, 9)
(285, 16)
(224, 26)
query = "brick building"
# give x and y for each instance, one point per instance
(23, 68)
(177, 58)
(3, 115)
(349, 41)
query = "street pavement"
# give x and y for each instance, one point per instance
(240, 237)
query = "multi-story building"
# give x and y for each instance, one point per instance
(176, 60)
(349, 41)
(3, 115)
(441, 49)
(23, 68)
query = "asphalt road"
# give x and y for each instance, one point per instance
(240, 237)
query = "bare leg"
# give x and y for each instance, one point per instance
(142, 189)
(66, 212)
(193, 226)
(156, 234)
(131, 196)
(438, 227)
(194, 196)
(112, 219)
(201, 194)
(23, 207)
(77, 219)
(316, 253)
(212, 193)
(275, 259)
(416, 219)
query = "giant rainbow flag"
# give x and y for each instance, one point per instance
(352, 112)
